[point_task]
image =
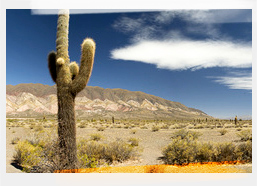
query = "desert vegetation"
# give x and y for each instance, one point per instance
(131, 142)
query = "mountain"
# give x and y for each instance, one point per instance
(35, 100)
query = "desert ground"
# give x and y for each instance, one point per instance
(151, 136)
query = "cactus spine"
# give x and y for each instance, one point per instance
(70, 80)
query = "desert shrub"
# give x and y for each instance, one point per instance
(85, 162)
(245, 135)
(27, 155)
(119, 151)
(133, 141)
(180, 151)
(190, 126)
(101, 128)
(34, 139)
(144, 127)
(82, 125)
(225, 152)
(15, 140)
(32, 125)
(96, 137)
(126, 126)
(155, 128)
(244, 151)
(92, 149)
(199, 126)
(186, 134)
(133, 131)
(38, 128)
(223, 131)
(37, 154)
(99, 152)
(165, 127)
(204, 152)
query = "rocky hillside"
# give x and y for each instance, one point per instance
(32, 100)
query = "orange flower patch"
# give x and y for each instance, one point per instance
(206, 167)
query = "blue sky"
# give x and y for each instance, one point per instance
(201, 58)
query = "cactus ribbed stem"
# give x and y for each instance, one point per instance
(62, 35)
(70, 80)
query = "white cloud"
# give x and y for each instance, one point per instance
(244, 82)
(207, 16)
(197, 22)
(187, 54)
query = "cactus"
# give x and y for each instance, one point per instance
(236, 120)
(70, 80)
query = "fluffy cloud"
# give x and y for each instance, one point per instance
(187, 54)
(197, 22)
(236, 82)
(207, 16)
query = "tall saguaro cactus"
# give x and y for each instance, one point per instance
(70, 80)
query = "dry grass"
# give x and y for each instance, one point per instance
(152, 143)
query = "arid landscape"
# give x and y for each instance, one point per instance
(149, 138)
(164, 90)
(119, 128)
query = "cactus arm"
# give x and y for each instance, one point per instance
(86, 66)
(74, 69)
(63, 71)
(62, 35)
(52, 65)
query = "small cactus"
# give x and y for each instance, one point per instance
(70, 80)
(236, 120)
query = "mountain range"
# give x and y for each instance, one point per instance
(36, 100)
